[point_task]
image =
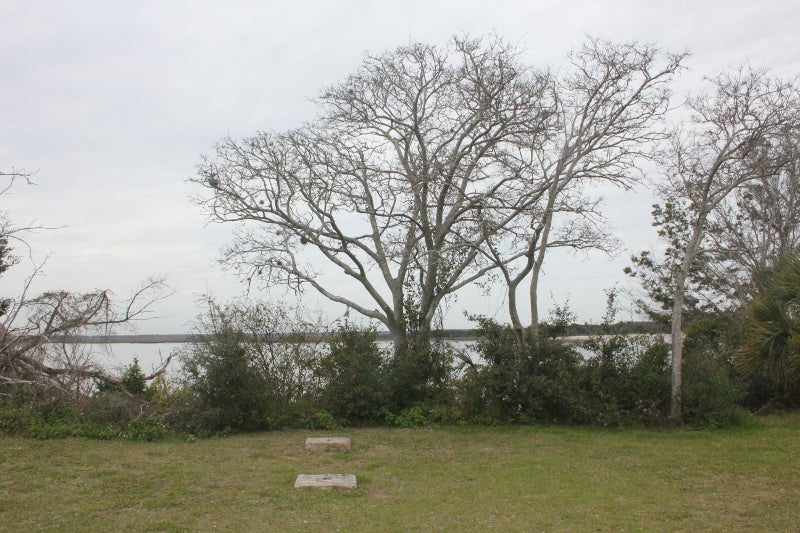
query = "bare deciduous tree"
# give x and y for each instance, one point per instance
(38, 345)
(389, 185)
(733, 139)
(755, 226)
(8, 230)
(609, 104)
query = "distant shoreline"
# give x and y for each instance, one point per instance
(132, 339)
(459, 334)
(181, 338)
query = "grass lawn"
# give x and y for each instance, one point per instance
(442, 479)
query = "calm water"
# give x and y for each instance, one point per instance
(119, 355)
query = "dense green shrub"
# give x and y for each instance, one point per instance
(52, 421)
(419, 372)
(535, 383)
(607, 378)
(238, 378)
(413, 417)
(650, 379)
(771, 340)
(228, 391)
(710, 393)
(353, 375)
(553, 388)
(97, 419)
(147, 428)
(101, 431)
(253, 367)
(627, 379)
(324, 420)
(133, 379)
(763, 394)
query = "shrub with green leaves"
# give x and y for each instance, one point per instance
(413, 417)
(538, 382)
(627, 379)
(253, 367)
(52, 421)
(710, 394)
(353, 375)
(133, 379)
(421, 374)
(771, 347)
(229, 392)
(147, 428)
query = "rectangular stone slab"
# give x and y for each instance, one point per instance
(326, 481)
(328, 444)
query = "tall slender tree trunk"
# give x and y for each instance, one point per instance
(516, 323)
(677, 348)
(534, 297)
(537, 269)
(679, 296)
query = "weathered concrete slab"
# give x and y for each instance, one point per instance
(326, 481)
(328, 444)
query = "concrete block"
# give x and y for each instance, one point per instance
(328, 444)
(326, 481)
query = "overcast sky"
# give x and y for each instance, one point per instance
(112, 104)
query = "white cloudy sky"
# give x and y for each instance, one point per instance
(113, 103)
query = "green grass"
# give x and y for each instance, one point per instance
(444, 479)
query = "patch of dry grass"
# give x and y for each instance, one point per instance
(444, 479)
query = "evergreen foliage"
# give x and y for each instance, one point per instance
(771, 347)
(353, 371)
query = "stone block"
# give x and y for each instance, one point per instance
(326, 481)
(328, 444)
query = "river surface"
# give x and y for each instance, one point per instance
(116, 356)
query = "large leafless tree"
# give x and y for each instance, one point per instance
(610, 100)
(390, 185)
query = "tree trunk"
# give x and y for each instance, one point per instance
(516, 323)
(537, 269)
(399, 343)
(534, 289)
(677, 348)
(679, 296)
